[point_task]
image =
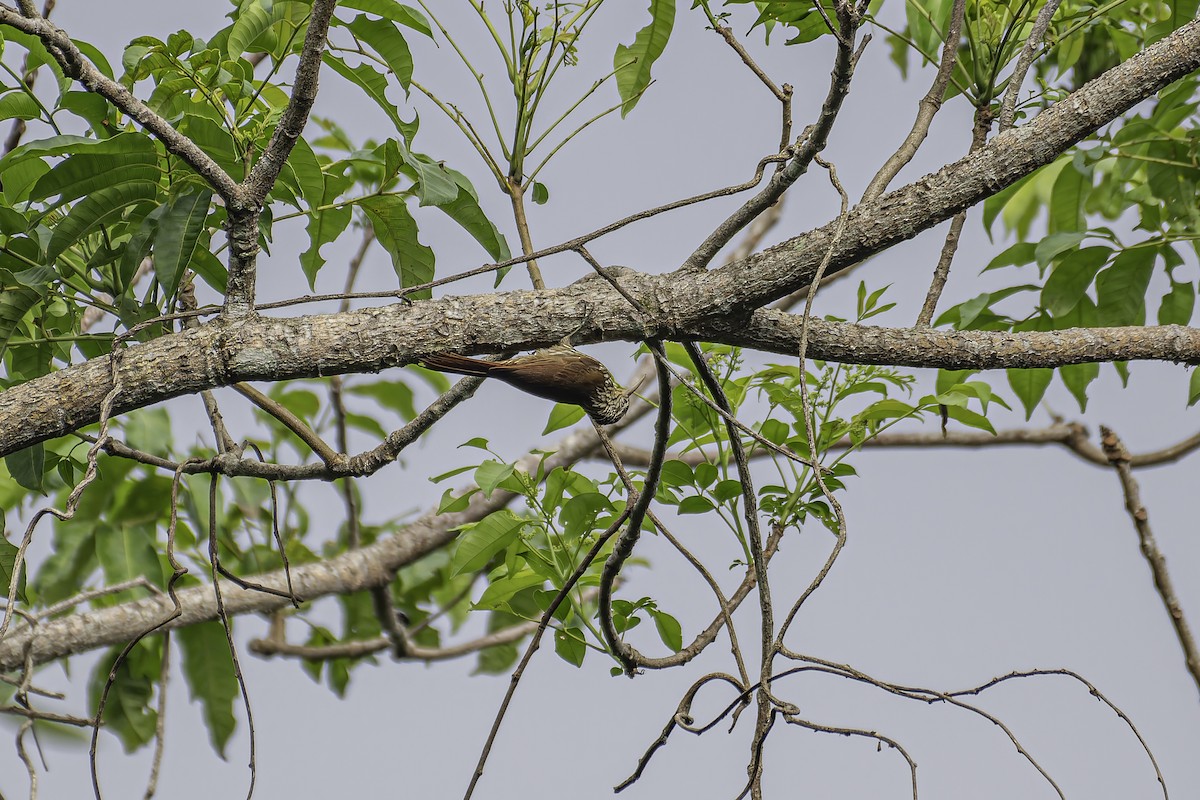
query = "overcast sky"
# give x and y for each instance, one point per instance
(960, 566)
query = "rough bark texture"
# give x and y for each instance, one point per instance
(714, 305)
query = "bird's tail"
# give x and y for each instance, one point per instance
(461, 365)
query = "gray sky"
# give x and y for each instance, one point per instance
(960, 566)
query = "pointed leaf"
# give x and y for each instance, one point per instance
(1029, 385)
(208, 669)
(633, 63)
(102, 206)
(179, 230)
(477, 544)
(384, 37)
(397, 232)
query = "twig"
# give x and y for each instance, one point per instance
(625, 653)
(536, 640)
(808, 413)
(879, 737)
(293, 423)
(1119, 457)
(812, 141)
(930, 104)
(160, 722)
(1008, 106)
(941, 273)
(226, 625)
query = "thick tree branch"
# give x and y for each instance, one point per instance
(370, 340)
(710, 305)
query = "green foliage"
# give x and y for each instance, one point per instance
(634, 62)
(81, 214)
(209, 672)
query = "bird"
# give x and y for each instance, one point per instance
(559, 373)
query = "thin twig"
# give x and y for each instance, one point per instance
(809, 413)
(536, 640)
(227, 625)
(625, 653)
(810, 144)
(930, 104)
(941, 273)
(1008, 106)
(1119, 457)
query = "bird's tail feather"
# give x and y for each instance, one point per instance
(461, 365)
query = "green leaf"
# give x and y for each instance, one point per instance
(1194, 387)
(1076, 377)
(1071, 278)
(465, 210)
(210, 269)
(669, 629)
(98, 208)
(449, 504)
(578, 515)
(727, 490)
(123, 158)
(179, 231)
(323, 227)
(1121, 288)
(479, 542)
(128, 713)
(8, 562)
(569, 644)
(397, 232)
(676, 473)
(435, 184)
(633, 63)
(1177, 304)
(1067, 199)
(1018, 255)
(500, 591)
(15, 302)
(1055, 244)
(27, 467)
(562, 415)
(384, 37)
(390, 9)
(127, 551)
(208, 669)
(1029, 385)
(969, 418)
(695, 505)
(254, 18)
(18, 105)
(491, 474)
(394, 395)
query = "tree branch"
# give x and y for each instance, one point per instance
(710, 305)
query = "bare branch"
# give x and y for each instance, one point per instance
(930, 104)
(1008, 106)
(812, 141)
(1119, 457)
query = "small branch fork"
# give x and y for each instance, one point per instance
(810, 144)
